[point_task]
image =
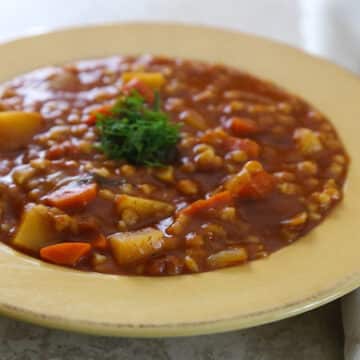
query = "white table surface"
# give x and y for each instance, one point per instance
(329, 28)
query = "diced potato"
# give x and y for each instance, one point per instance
(227, 258)
(36, 229)
(308, 141)
(143, 208)
(153, 79)
(129, 247)
(17, 128)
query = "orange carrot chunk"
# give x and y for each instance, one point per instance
(251, 148)
(72, 195)
(258, 187)
(218, 137)
(100, 242)
(242, 126)
(144, 90)
(65, 253)
(252, 182)
(220, 199)
(105, 110)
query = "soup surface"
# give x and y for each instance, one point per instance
(159, 166)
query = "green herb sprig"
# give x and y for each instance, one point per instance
(134, 132)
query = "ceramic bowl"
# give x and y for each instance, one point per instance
(316, 269)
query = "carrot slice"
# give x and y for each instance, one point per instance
(65, 253)
(100, 242)
(252, 182)
(72, 195)
(105, 110)
(242, 126)
(220, 199)
(251, 148)
(259, 186)
(219, 137)
(141, 88)
(216, 137)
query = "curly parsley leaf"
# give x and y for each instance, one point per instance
(134, 132)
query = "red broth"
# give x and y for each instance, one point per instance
(256, 168)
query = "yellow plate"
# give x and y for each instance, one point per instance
(318, 268)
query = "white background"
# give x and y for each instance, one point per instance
(330, 28)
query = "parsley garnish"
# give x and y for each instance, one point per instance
(136, 133)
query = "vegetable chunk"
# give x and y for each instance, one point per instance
(65, 253)
(72, 195)
(36, 229)
(220, 199)
(242, 126)
(153, 79)
(227, 257)
(129, 247)
(142, 208)
(252, 182)
(17, 128)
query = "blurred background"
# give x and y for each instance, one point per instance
(327, 28)
(330, 28)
